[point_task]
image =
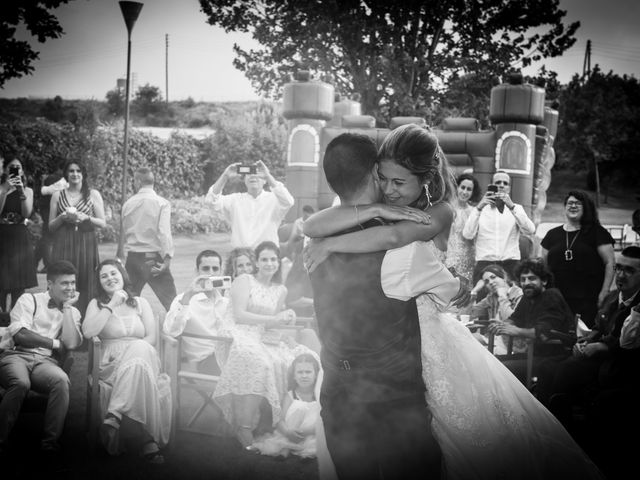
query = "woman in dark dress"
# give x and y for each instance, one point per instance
(74, 215)
(17, 263)
(580, 255)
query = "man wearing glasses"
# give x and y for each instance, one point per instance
(495, 225)
(596, 357)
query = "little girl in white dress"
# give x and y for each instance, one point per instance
(296, 433)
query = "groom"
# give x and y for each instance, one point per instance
(375, 416)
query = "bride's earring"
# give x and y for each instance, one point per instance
(426, 191)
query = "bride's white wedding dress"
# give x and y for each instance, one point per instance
(488, 425)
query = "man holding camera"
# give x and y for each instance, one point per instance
(146, 218)
(256, 214)
(496, 229)
(200, 310)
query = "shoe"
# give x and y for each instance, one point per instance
(244, 434)
(151, 453)
(109, 434)
(53, 461)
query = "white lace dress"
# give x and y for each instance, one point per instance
(254, 367)
(461, 253)
(488, 425)
(301, 415)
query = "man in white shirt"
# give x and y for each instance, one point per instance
(42, 326)
(148, 241)
(256, 214)
(372, 393)
(201, 310)
(496, 229)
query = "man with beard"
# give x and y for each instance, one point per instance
(598, 360)
(542, 315)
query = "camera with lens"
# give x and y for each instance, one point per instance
(247, 170)
(212, 283)
(14, 171)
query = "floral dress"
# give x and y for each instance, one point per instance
(461, 253)
(254, 367)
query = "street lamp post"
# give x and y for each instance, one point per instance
(130, 12)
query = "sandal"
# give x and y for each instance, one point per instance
(151, 453)
(244, 434)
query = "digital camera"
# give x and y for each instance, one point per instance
(14, 171)
(247, 170)
(211, 283)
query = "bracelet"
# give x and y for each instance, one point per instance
(107, 307)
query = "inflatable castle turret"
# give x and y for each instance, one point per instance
(519, 142)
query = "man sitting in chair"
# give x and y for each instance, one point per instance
(43, 325)
(201, 310)
(542, 315)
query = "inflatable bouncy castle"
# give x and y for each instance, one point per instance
(519, 142)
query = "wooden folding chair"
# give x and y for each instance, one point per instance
(530, 350)
(204, 384)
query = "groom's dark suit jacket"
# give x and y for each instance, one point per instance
(370, 343)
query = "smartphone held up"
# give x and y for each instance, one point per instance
(498, 201)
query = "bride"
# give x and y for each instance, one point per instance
(487, 423)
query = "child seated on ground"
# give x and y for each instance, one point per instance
(296, 432)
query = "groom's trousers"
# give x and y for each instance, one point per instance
(388, 440)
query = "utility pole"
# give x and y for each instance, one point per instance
(586, 64)
(166, 68)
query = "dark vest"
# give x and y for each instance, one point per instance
(370, 343)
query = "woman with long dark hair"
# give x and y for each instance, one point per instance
(580, 255)
(17, 262)
(461, 253)
(131, 384)
(75, 213)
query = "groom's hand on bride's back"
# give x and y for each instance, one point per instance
(463, 297)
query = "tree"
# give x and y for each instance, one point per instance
(148, 100)
(399, 56)
(16, 56)
(115, 102)
(599, 121)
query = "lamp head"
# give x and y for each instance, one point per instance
(130, 12)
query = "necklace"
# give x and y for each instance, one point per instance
(568, 253)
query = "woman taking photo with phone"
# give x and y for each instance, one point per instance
(17, 262)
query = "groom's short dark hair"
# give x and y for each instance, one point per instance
(348, 161)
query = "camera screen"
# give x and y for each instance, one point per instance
(247, 169)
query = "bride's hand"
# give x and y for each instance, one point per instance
(395, 213)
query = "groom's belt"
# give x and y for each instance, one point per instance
(371, 361)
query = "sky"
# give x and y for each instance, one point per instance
(86, 62)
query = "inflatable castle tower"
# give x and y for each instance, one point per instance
(519, 142)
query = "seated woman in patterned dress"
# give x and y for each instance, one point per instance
(131, 384)
(256, 369)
